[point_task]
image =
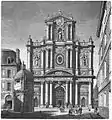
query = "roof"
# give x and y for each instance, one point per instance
(103, 4)
(7, 50)
(24, 73)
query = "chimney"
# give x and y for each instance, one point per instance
(17, 55)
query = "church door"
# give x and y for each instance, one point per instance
(60, 96)
(83, 102)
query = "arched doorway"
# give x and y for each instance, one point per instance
(8, 101)
(83, 102)
(60, 93)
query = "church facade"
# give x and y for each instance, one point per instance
(62, 66)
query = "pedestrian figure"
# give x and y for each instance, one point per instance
(96, 110)
(80, 110)
(70, 111)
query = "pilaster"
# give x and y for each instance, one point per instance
(70, 92)
(76, 94)
(41, 102)
(66, 92)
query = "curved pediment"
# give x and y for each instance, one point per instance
(58, 73)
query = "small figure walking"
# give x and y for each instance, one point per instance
(80, 110)
(96, 110)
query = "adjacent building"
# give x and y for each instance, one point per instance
(62, 66)
(104, 72)
(10, 64)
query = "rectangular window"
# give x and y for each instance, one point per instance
(101, 51)
(8, 86)
(105, 69)
(101, 76)
(104, 99)
(105, 38)
(3, 85)
(110, 59)
(9, 73)
(3, 73)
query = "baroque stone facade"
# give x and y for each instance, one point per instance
(62, 66)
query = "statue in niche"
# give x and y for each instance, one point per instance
(60, 34)
(36, 59)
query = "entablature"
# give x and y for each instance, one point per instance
(84, 80)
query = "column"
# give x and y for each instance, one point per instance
(70, 92)
(90, 59)
(51, 59)
(51, 32)
(42, 62)
(67, 31)
(76, 61)
(71, 32)
(66, 92)
(49, 27)
(28, 57)
(13, 95)
(76, 96)
(89, 93)
(46, 94)
(13, 103)
(41, 102)
(28, 60)
(90, 63)
(50, 94)
(47, 58)
(67, 58)
(42, 59)
(70, 58)
(47, 31)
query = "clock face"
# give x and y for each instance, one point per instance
(59, 59)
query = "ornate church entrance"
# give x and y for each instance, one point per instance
(60, 94)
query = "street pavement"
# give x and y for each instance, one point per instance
(51, 114)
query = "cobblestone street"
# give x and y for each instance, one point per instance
(52, 114)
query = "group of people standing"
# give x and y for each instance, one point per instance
(76, 110)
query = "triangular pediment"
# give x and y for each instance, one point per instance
(59, 15)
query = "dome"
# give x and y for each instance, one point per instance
(24, 73)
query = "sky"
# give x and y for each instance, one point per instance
(21, 19)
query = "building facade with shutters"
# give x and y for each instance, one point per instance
(104, 72)
(62, 66)
(10, 64)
